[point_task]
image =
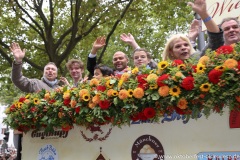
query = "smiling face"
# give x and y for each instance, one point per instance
(50, 72)
(76, 71)
(181, 49)
(120, 61)
(231, 32)
(140, 58)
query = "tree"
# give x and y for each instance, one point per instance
(58, 30)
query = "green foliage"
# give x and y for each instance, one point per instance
(60, 30)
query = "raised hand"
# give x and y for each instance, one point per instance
(194, 30)
(98, 44)
(199, 6)
(18, 53)
(129, 39)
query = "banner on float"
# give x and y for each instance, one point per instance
(219, 9)
(219, 156)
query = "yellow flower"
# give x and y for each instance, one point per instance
(162, 65)
(153, 86)
(152, 77)
(66, 95)
(108, 84)
(181, 66)
(27, 96)
(135, 70)
(7, 110)
(130, 92)
(200, 68)
(114, 93)
(205, 87)
(163, 91)
(230, 63)
(220, 68)
(82, 92)
(182, 103)
(175, 91)
(138, 93)
(125, 76)
(86, 97)
(204, 60)
(47, 96)
(36, 101)
(120, 82)
(19, 105)
(94, 82)
(123, 94)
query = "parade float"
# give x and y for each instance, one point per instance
(179, 109)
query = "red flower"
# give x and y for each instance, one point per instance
(66, 127)
(160, 80)
(142, 116)
(188, 83)
(214, 76)
(77, 109)
(52, 101)
(104, 104)
(224, 50)
(149, 112)
(12, 108)
(194, 68)
(33, 109)
(101, 88)
(142, 81)
(22, 99)
(66, 102)
(177, 62)
(135, 117)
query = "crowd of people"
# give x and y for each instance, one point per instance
(179, 46)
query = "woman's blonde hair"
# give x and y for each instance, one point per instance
(170, 43)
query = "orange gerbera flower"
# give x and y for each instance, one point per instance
(96, 99)
(94, 82)
(204, 60)
(230, 63)
(123, 94)
(163, 91)
(138, 93)
(110, 92)
(182, 103)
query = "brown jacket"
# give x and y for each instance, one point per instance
(26, 84)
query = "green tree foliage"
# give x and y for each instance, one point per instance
(59, 30)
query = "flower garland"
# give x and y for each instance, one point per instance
(188, 88)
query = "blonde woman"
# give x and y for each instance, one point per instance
(179, 47)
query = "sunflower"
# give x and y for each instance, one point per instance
(36, 101)
(205, 87)
(109, 84)
(130, 92)
(153, 86)
(200, 68)
(120, 83)
(19, 105)
(162, 65)
(182, 66)
(86, 97)
(114, 93)
(220, 68)
(175, 91)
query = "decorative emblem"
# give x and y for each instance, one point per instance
(96, 132)
(147, 147)
(48, 152)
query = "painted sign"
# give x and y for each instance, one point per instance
(48, 152)
(219, 9)
(147, 147)
(49, 135)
